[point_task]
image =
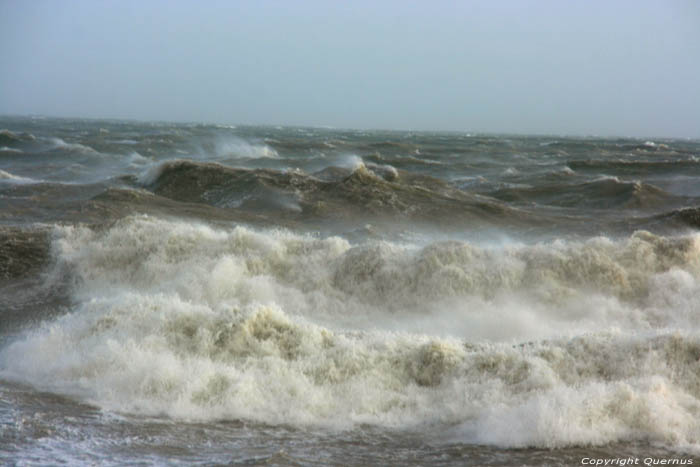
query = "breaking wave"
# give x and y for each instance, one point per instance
(8, 177)
(552, 344)
(6, 149)
(234, 148)
(58, 143)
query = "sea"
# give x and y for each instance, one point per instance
(201, 294)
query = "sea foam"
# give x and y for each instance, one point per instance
(199, 323)
(11, 178)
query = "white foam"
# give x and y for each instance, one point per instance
(13, 150)
(349, 161)
(385, 171)
(137, 160)
(566, 170)
(564, 343)
(81, 148)
(11, 178)
(236, 148)
(355, 163)
(606, 178)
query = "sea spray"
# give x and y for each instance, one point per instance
(204, 323)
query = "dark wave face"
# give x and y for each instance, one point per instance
(603, 194)
(335, 195)
(219, 289)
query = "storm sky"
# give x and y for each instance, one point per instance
(627, 68)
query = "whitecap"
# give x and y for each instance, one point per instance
(548, 345)
(235, 148)
(11, 178)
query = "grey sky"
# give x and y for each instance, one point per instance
(573, 67)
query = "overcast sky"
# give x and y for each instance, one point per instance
(557, 67)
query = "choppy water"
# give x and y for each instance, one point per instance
(213, 294)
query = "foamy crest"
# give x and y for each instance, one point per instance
(566, 170)
(136, 159)
(349, 161)
(199, 323)
(13, 150)
(385, 171)
(237, 148)
(76, 147)
(11, 178)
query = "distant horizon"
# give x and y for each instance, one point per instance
(336, 128)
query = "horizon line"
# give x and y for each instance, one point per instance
(338, 128)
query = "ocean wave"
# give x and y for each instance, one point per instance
(22, 251)
(390, 146)
(420, 160)
(58, 143)
(137, 160)
(138, 251)
(640, 167)
(367, 191)
(566, 170)
(193, 363)
(234, 148)
(11, 178)
(12, 150)
(200, 323)
(385, 171)
(289, 144)
(689, 216)
(601, 193)
(10, 138)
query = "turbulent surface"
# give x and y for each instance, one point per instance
(385, 297)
